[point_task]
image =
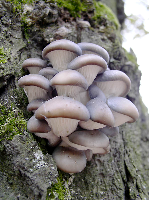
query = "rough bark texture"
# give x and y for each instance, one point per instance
(27, 170)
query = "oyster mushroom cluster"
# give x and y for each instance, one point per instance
(78, 103)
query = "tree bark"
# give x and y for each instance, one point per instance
(27, 169)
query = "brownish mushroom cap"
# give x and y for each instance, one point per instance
(89, 65)
(123, 110)
(62, 114)
(35, 86)
(61, 52)
(33, 65)
(90, 48)
(69, 160)
(113, 83)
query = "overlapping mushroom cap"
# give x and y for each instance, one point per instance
(78, 103)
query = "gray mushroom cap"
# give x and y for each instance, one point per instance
(35, 104)
(48, 72)
(100, 112)
(113, 83)
(69, 83)
(123, 110)
(69, 160)
(95, 91)
(94, 49)
(89, 65)
(60, 53)
(35, 87)
(34, 65)
(62, 114)
(110, 131)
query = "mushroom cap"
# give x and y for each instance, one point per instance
(90, 139)
(35, 104)
(34, 80)
(123, 110)
(95, 91)
(62, 44)
(110, 131)
(37, 126)
(60, 106)
(94, 48)
(69, 160)
(48, 72)
(113, 83)
(34, 63)
(100, 112)
(90, 125)
(69, 77)
(88, 59)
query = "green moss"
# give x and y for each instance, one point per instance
(57, 190)
(12, 122)
(131, 57)
(75, 7)
(103, 12)
(17, 4)
(4, 55)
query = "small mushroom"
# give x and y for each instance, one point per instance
(123, 110)
(89, 65)
(48, 72)
(35, 86)
(34, 65)
(60, 53)
(35, 104)
(113, 83)
(69, 160)
(41, 129)
(110, 131)
(90, 48)
(62, 114)
(83, 140)
(69, 83)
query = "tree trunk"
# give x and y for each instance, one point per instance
(27, 169)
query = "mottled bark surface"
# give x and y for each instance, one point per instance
(27, 170)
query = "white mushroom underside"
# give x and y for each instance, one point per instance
(69, 91)
(60, 59)
(112, 88)
(62, 126)
(120, 118)
(90, 72)
(91, 125)
(34, 92)
(34, 70)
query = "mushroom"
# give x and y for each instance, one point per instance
(35, 86)
(41, 129)
(69, 83)
(34, 104)
(94, 91)
(90, 48)
(48, 72)
(60, 53)
(33, 65)
(110, 131)
(84, 140)
(100, 113)
(113, 83)
(69, 160)
(62, 114)
(89, 65)
(123, 110)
